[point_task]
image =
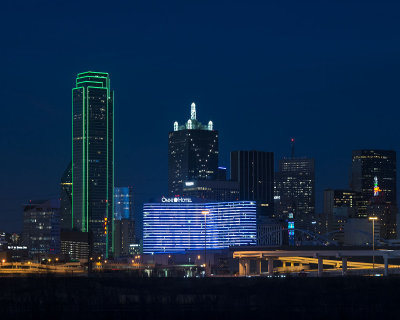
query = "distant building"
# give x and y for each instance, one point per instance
(75, 244)
(180, 224)
(346, 200)
(269, 233)
(222, 176)
(374, 176)
(254, 171)
(124, 237)
(123, 203)
(217, 190)
(41, 228)
(387, 215)
(358, 232)
(295, 187)
(368, 164)
(93, 159)
(192, 153)
(3, 239)
(66, 199)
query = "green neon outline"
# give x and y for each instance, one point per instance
(113, 183)
(83, 161)
(95, 72)
(91, 76)
(72, 166)
(87, 159)
(80, 82)
(108, 202)
(107, 155)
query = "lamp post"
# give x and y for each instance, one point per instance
(373, 219)
(205, 213)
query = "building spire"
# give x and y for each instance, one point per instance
(193, 111)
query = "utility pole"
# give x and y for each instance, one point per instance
(373, 219)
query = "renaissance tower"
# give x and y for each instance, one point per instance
(192, 153)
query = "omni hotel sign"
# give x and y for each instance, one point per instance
(176, 199)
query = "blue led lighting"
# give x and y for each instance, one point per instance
(177, 227)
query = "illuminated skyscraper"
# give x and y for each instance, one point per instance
(66, 199)
(123, 203)
(368, 164)
(374, 177)
(41, 228)
(93, 159)
(339, 206)
(192, 153)
(295, 188)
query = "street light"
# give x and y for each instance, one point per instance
(205, 213)
(373, 219)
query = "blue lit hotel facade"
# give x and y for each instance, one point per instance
(177, 225)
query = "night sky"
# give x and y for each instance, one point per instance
(324, 72)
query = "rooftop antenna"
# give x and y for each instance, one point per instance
(193, 111)
(292, 146)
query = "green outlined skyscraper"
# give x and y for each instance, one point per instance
(93, 159)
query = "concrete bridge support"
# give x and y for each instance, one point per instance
(242, 267)
(344, 265)
(258, 266)
(320, 266)
(270, 266)
(386, 269)
(247, 267)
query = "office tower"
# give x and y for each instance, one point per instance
(41, 227)
(269, 233)
(75, 244)
(217, 190)
(124, 237)
(3, 240)
(339, 206)
(295, 188)
(179, 224)
(192, 153)
(66, 199)
(221, 175)
(368, 165)
(93, 159)
(387, 215)
(254, 171)
(123, 203)
(358, 232)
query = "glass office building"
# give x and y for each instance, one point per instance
(41, 227)
(123, 203)
(93, 159)
(178, 224)
(192, 153)
(66, 199)
(295, 187)
(254, 171)
(369, 166)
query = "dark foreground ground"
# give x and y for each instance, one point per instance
(124, 297)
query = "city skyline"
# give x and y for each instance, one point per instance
(329, 93)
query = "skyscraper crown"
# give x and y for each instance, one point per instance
(193, 123)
